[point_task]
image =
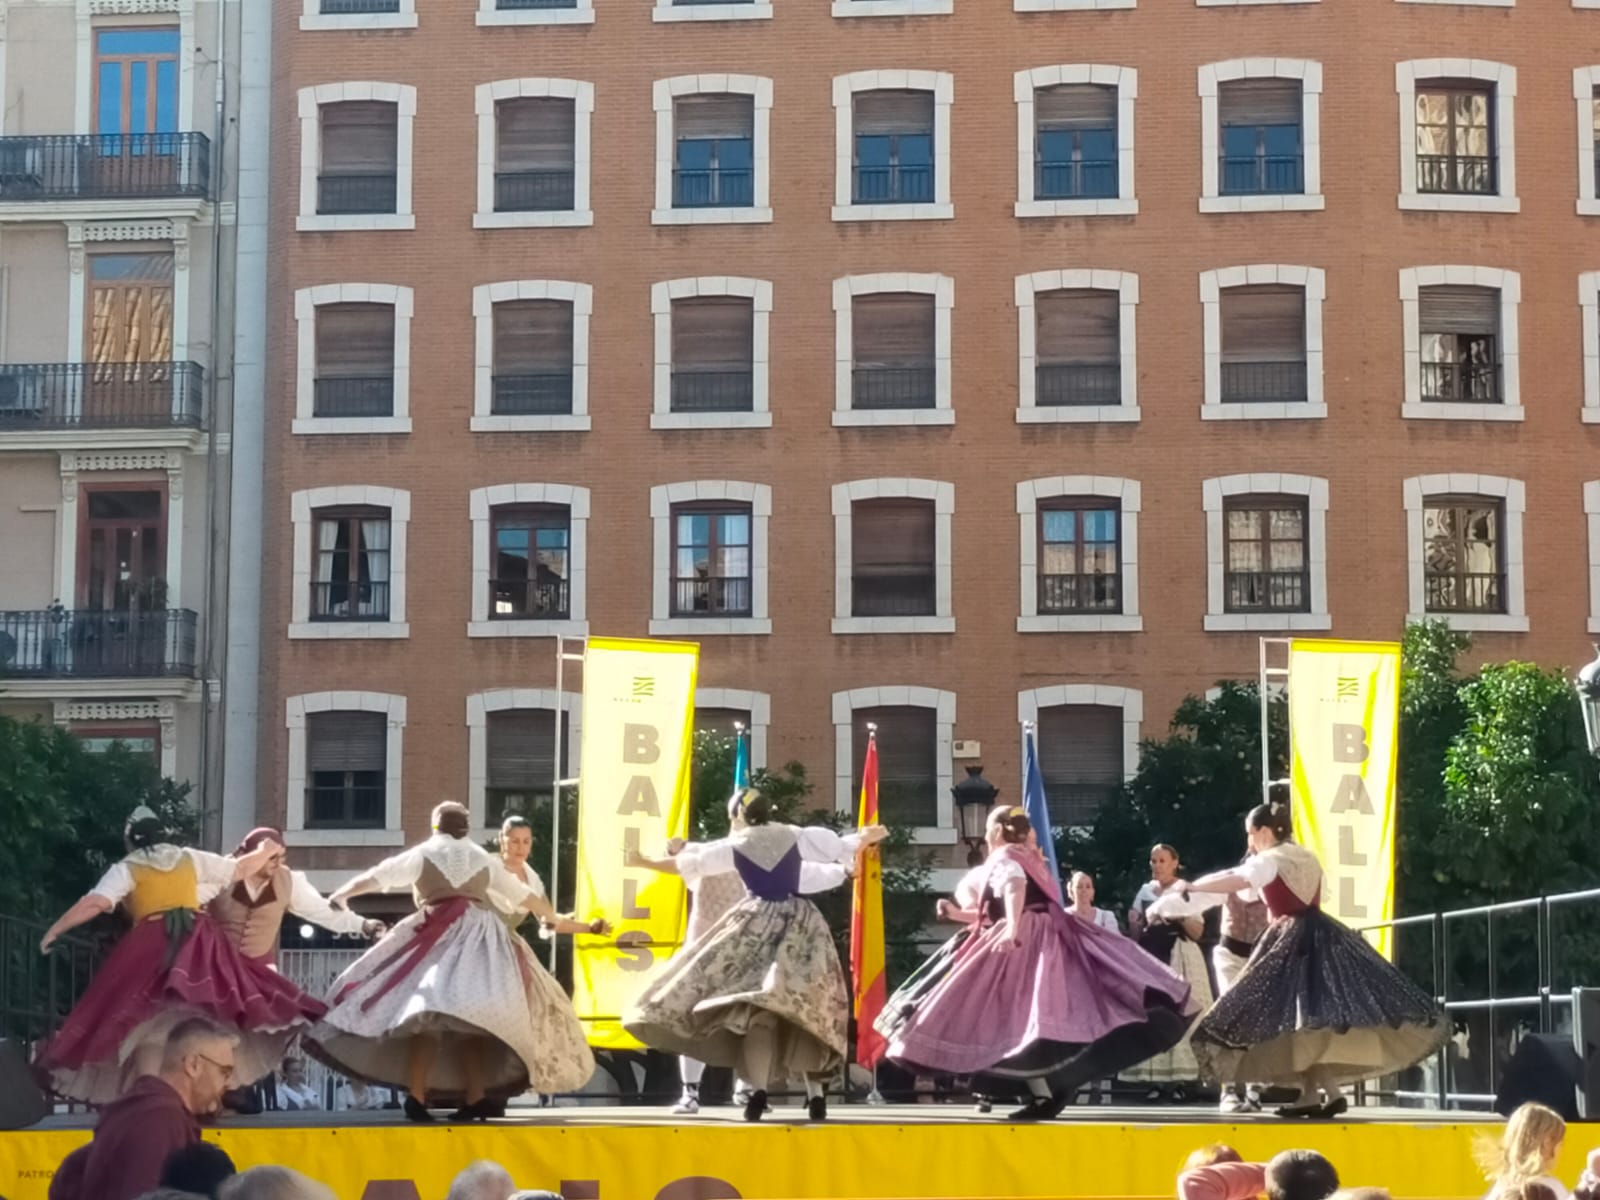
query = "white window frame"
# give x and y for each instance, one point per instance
(1591, 512)
(296, 710)
(943, 290)
(312, 17)
(1215, 493)
(311, 99)
(943, 497)
(1504, 79)
(1237, 3)
(1472, 3)
(1212, 284)
(306, 303)
(581, 14)
(569, 706)
(942, 85)
(1097, 695)
(943, 704)
(1127, 493)
(1514, 497)
(303, 506)
(1211, 78)
(484, 297)
(666, 11)
(481, 505)
(757, 704)
(1032, 6)
(1509, 285)
(1126, 285)
(486, 97)
(759, 293)
(662, 497)
(1584, 82)
(893, 8)
(1025, 84)
(666, 93)
(1589, 308)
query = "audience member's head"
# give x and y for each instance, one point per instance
(166, 1193)
(273, 1183)
(294, 1071)
(482, 1180)
(534, 1194)
(1527, 1148)
(1362, 1193)
(1588, 1186)
(197, 1062)
(1210, 1156)
(1300, 1175)
(200, 1168)
(67, 1182)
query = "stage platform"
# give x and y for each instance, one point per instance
(863, 1152)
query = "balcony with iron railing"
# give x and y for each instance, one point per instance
(711, 597)
(364, 194)
(345, 600)
(535, 191)
(92, 644)
(1464, 591)
(1264, 382)
(894, 185)
(1461, 383)
(529, 600)
(525, 5)
(1070, 385)
(353, 396)
(1267, 591)
(1082, 179)
(894, 387)
(713, 391)
(1456, 174)
(340, 8)
(1087, 594)
(717, 187)
(907, 591)
(41, 397)
(134, 167)
(541, 393)
(1262, 175)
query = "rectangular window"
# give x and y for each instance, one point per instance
(136, 87)
(1075, 142)
(894, 147)
(1594, 122)
(532, 562)
(1079, 557)
(1263, 344)
(521, 761)
(331, 8)
(346, 770)
(360, 157)
(892, 559)
(532, 357)
(713, 354)
(1455, 138)
(1463, 566)
(714, 158)
(893, 344)
(1080, 757)
(908, 763)
(1078, 347)
(355, 361)
(1460, 351)
(1265, 555)
(536, 149)
(142, 739)
(122, 557)
(350, 568)
(1260, 139)
(720, 722)
(711, 559)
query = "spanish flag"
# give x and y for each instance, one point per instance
(866, 923)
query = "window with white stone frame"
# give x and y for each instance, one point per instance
(893, 8)
(1586, 91)
(1262, 326)
(345, 759)
(1266, 553)
(1465, 551)
(1591, 510)
(1034, 6)
(892, 145)
(353, 359)
(1589, 308)
(892, 556)
(710, 557)
(358, 14)
(1075, 140)
(1261, 135)
(712, 10)
(534, 153)
(356, 156)
(892, 335)
(1077, 346)
(549, 12)
(1457, 135)
(529, 560)
(1079, 554)
(1460, 329)
(716, 708)
(915, 732)
(713, 150)
(531, 372)
(711, 353)
(512, 751)
(1087, 737)
(349, 571)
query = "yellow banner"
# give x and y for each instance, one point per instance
(638, 731)
(1344, 712)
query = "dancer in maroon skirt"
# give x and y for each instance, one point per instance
(174, 959)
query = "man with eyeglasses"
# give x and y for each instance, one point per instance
(159, 1113)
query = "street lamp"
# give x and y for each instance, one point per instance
(1588, 686)
(974, 797)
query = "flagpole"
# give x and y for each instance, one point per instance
(874, 1096)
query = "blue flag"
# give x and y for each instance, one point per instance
(1033, 803)
(741, 761)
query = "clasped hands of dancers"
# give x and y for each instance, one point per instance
(452, 1005)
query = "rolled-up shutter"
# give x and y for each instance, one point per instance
(1079, 327)
(346, 741)
(702, 117)
(1264, 323)
(886, 112)
(1076, 106)
(532, 336)
(892, 533)
(893, 329)
(1458, 309)
(536, 133)
(1259, 102)
(360, 137)
(1080, 757)
(713, 332)
(908, 762)
(521, 749)
(355, 340)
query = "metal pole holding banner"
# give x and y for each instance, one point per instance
(1264, 683)
(557, 782)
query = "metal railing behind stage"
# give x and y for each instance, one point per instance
(38, 990)
(1483, 982)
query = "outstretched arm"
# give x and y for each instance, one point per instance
(81, 913)
(1219, 881)
(949, 910)
(666, 865)
(539, 905)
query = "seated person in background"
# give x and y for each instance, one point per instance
(274, 1183)
(294, 1093)
(199, 1169)
(357, 1095)
(1291, 1175)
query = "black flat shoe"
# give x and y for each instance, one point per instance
(1333, 1108)
(1052, 1108)
(479, 1110)
(1303, 1109)
(1033, 1110)
(817, 1108)
(756, 1105)
(417, 1111)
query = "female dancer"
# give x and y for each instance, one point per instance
(516, 843)
(762, 990)
(451, 976)
(1039, 995)
(1081, 885)
(1176, 943)
(1316, 1005)
(175, 960)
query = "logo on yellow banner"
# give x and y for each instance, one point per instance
(638, 728)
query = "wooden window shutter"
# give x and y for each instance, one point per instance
(893, 329)
(522, 749)
(360, 137)
(1459, 310)
(1080, 757)
(1079, 327)
(908, 766)
(713, 332)
(1259, 102)
(1265, 323)
(714, 117)
(536, 133)
(346, 741)
(1076, 106)
(532, 336)
(886, 112)
(892, 533)
(355, 341)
